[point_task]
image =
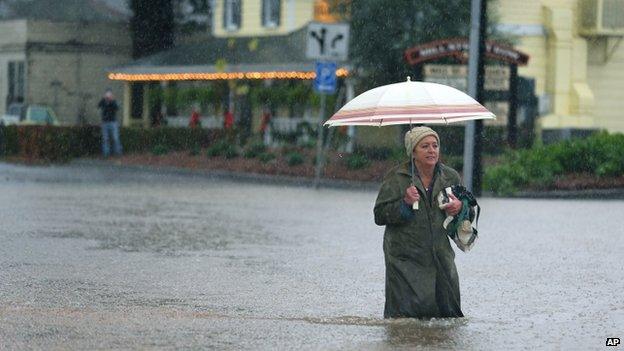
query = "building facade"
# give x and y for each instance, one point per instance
(251, 41)
(575, 50)
(577, 59)
(574, 46)
(61, 65)
(239, 18)
(59, 56)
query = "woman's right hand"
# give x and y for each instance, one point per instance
(411, 195)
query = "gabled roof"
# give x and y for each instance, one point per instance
(224, 58)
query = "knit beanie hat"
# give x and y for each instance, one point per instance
(414, 136)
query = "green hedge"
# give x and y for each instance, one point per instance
(357, 161)
(9, 140)
(601, 154)
(175, 139)
(294, 158)
(38, 142)
(59, 144)
(223, 147)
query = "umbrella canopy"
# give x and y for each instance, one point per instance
(409, 103)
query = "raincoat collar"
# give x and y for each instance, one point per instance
(439, 177)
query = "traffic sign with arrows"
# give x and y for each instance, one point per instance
(327, 41)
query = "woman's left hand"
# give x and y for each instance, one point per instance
(453, 207)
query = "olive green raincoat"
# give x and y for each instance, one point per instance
(421, 278)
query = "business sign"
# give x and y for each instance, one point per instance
(456, 76)
(325, 81)
(327, 41)
(459, 48)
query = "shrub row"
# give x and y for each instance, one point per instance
(61, 144)
(58, 144)
(49, 143)
(173, 139)
(601, 154)
(293, 155)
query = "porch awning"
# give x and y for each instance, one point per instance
(273, 57)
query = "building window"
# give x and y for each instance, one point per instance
(16, 81)
(271, 10)
(232, 14)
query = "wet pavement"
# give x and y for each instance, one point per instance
(96, 257)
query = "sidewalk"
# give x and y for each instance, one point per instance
(610, 194)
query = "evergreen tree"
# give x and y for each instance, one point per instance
(152, 26)
(193, 16)
(381, 31)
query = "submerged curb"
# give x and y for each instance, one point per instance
(235, 176)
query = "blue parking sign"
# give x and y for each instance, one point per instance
(325, 81)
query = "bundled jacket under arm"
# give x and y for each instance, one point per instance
(421, 277)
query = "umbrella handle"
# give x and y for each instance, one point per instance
(415, 204)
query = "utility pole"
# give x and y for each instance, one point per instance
(476, 71)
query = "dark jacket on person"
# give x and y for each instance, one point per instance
(421, 277)
(109, 110)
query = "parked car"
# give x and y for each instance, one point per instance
(29, 115)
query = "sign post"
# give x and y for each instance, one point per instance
(326, 43)
(324, 83)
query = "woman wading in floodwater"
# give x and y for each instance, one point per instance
(421, 278)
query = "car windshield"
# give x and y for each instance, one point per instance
(39, 114)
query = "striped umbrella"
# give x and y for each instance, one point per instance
(409, 103)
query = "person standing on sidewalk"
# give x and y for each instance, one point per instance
(110, 128)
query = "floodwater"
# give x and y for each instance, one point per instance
(102, 257)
